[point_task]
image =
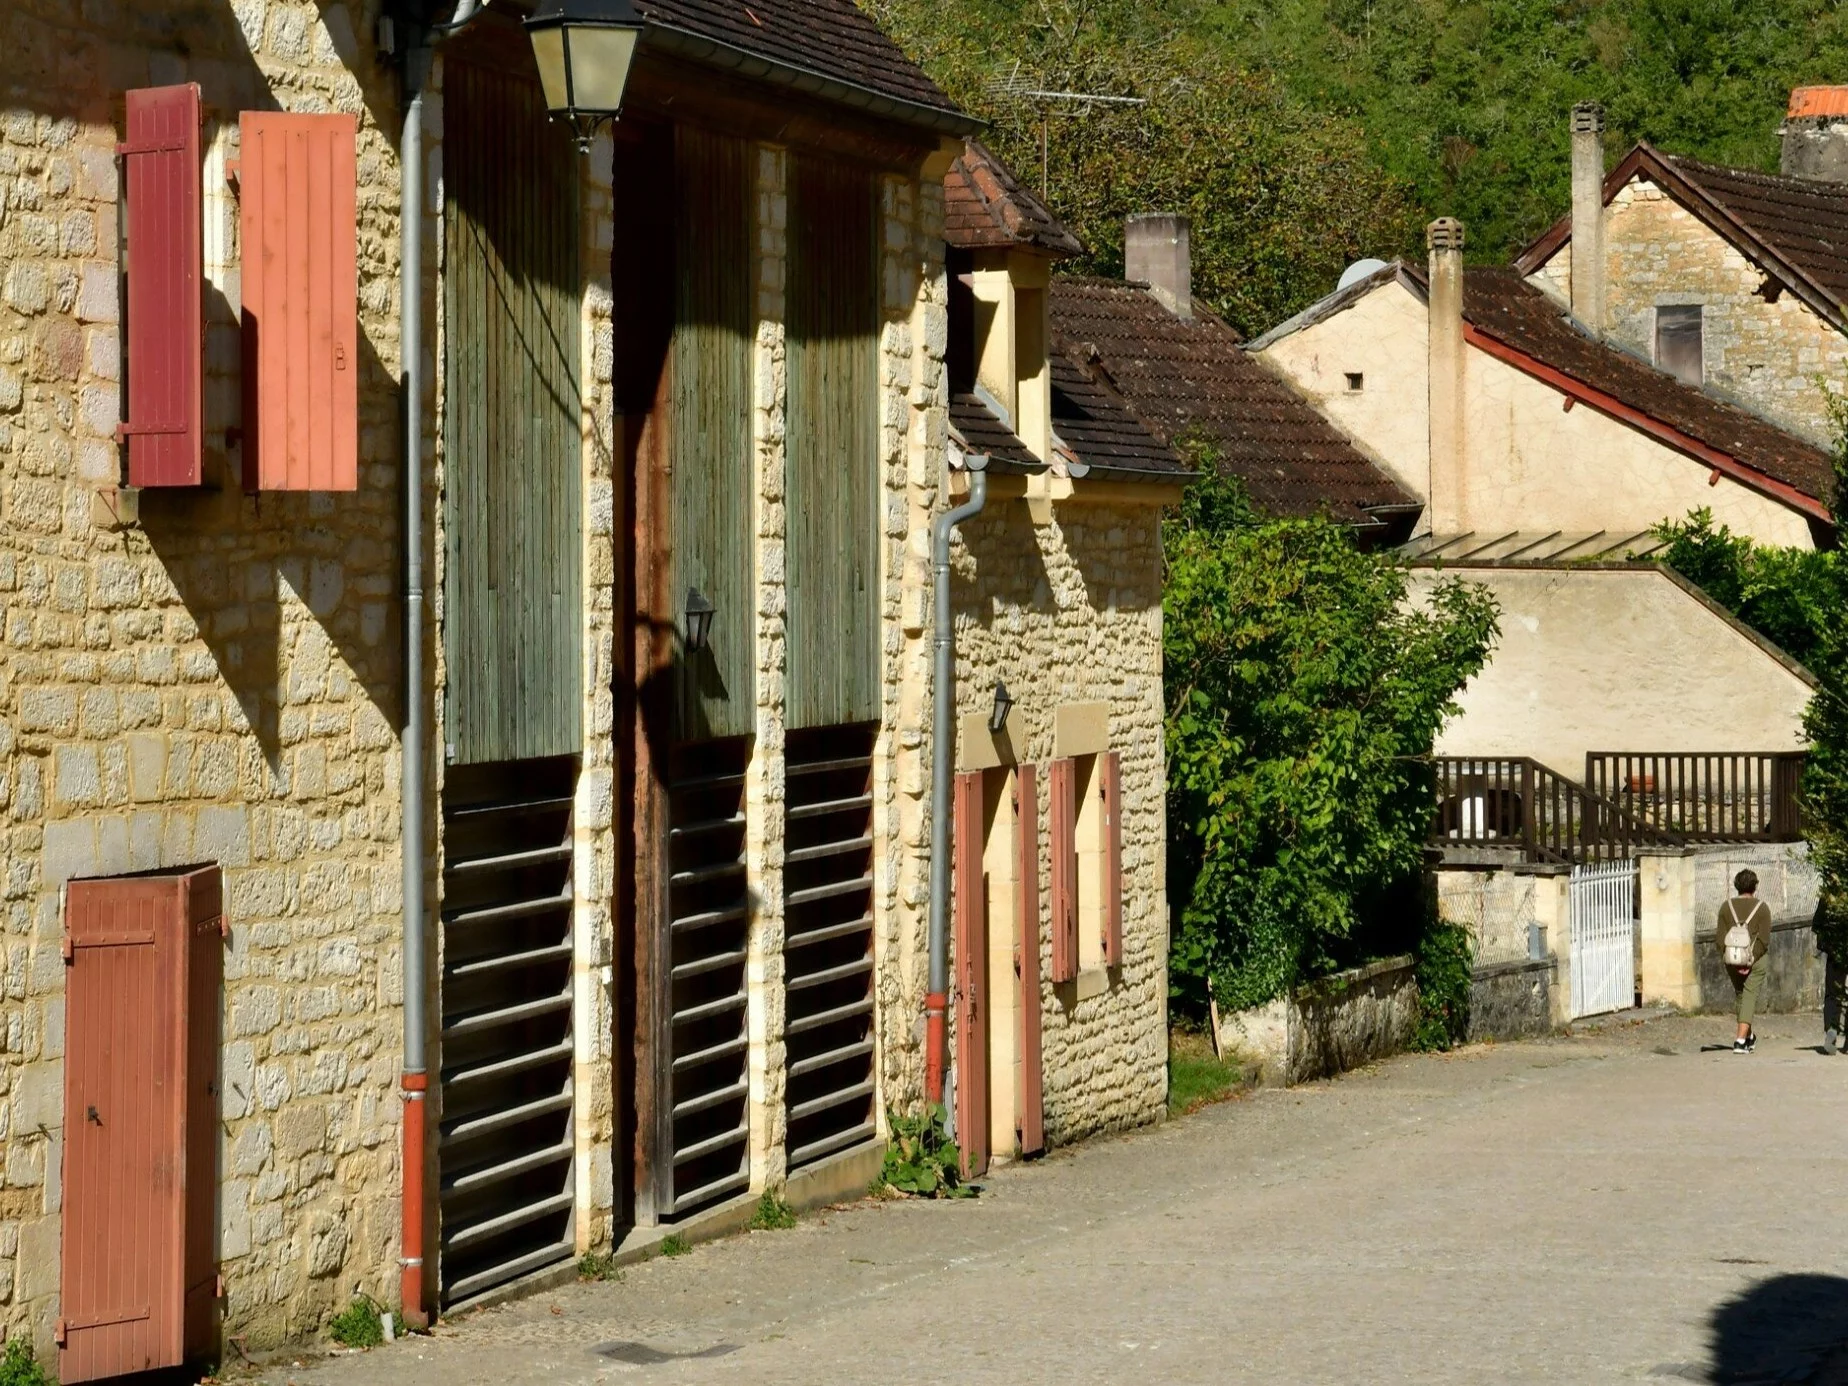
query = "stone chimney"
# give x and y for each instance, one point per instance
(1447, 499)
(1815, 134)
(1156, 252)
(1588, 216)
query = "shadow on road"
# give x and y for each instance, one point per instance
(1788, 1328)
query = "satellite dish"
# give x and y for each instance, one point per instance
(1358, 271)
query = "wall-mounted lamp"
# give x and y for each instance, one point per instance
(584, 48)
(997, 715)
(699, 620)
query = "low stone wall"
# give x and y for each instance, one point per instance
(1793, 984)
(1331, 1026)
(1512, 1000)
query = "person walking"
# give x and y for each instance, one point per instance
(1744, 938)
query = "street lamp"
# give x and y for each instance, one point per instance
(1004, 704)
(699, 620)
(584, 48)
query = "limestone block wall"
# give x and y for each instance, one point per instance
(218, 682)
(1766, 357)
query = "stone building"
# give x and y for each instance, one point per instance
(640, 786)
(1729, 278)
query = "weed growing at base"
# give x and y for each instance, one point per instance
(598, 1265)
(772, 1215)
(1197, 1077)
(675, 1245)
(357, 1325)
(18, 1367)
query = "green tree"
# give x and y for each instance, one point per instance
(1825, 724)
(1304, 694)
(1788, 595)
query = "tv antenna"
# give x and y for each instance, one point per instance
(1018, 87)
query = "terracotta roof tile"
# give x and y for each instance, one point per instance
(1178, 375)
(985, 205)
(831, 39)
(1499, 303)
(1100, 430)
(979, 429)
(1809, 102)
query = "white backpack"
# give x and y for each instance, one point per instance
(1737, 949)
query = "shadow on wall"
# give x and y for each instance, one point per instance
(1785, 1328)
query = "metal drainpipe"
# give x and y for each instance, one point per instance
(415, 1077)
(942, 755)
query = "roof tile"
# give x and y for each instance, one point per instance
(984, 205)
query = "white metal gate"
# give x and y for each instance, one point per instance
(1603, 952)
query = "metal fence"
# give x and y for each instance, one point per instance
(1730, 797)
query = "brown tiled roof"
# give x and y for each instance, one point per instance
(1099, 429)
(984, 205)
(1794, 229)
(829, 47)
(979, 429)
(1178, 375)
(1810, 103)
(1501, 305)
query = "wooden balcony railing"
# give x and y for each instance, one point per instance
(1731, 797)
(1516, 802)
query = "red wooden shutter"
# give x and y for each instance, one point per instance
(1030, 1105)
(297, 184)
(1063, 832)
(1110, 767)
(140, 1123)
(971, 977)
(165, 272)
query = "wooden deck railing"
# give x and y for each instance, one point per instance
(1731, 797)
(1515, 801)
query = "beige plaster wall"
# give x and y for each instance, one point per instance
(1766, 357)
(1597, 659)
(219, 682)
(1530, 464)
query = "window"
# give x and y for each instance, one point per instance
(1356, 382)
(1677, 342)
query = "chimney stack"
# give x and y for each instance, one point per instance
(1446, 502)
(1156, 252)
(1588, 216)
(1815, 134)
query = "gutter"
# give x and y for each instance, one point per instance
(414, 1079)
(942, 758)
(700, 48)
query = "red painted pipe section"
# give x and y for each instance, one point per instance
(935, 1005)
(411, 1235)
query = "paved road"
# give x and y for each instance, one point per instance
(1618, 1206)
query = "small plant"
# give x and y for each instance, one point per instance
(1445, 962)
(1197, 1077)
(357, 1325)
(18, 1367)
(673, 1244)
(598, 1265)
(920, 1159)
(772, 1215)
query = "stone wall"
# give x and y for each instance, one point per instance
(1766, 357)
(218, 682)
(1328, 1027)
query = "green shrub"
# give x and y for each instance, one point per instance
(357, 1325)
(675, 1244)
(920, 1159)
(1304, 694)
(1788, 595)
(18, 1367)
(772, 1215)
(1445, 960)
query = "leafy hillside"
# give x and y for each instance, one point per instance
(1302, 134)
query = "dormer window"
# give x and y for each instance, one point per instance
(1678, 342)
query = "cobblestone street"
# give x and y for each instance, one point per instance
(1617, 1206)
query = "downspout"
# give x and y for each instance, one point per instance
(415, 1077)
(942, 756)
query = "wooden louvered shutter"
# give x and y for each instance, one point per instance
(1063, 834)
(298, 227)
(1030, 1121)
(165, 272)
(971, 940)
(1109, 765)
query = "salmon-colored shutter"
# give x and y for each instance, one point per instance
(1030, 1105)
(140, 1123)
(1110, 766)
(971, 939)
(1063, 826)
(297, 184)
(165, 272)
